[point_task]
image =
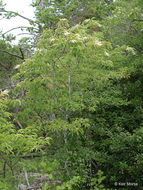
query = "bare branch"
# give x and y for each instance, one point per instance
(26, 177)
(24, 33)
(19, 27)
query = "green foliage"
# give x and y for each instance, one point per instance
(76, 109)
(50, 12)
(4, 185)
(124, 25)
(97, 182)
(74, 183)
(73, 89)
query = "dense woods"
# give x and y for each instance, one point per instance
(71, 97)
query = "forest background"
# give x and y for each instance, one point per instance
(71, 97)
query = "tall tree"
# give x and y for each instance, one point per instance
(73, 93)
(76, 107)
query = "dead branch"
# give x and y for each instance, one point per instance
(26, 178)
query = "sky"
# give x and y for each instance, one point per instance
(23, 8)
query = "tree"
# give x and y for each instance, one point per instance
(76, 109)
(68, 89)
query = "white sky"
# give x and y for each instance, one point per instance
(22, 7)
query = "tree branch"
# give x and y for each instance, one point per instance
(32, 155)
(16, 14)
(18, 124)
(22, 54)
(5, 67)
(26, 178)
(19, 27)
(138, 20)
(40, 3)
(14, 55)
(24, 33)
(4, 169)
